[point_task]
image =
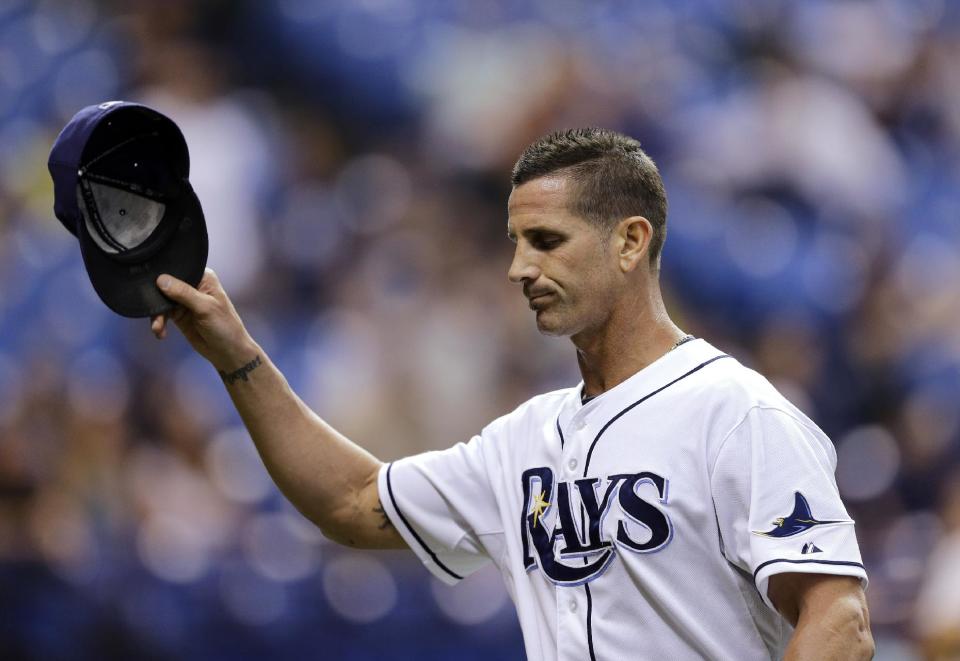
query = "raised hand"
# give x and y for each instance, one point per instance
(207, 318)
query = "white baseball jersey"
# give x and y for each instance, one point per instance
(644, 524)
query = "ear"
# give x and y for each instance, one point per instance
(633, 239)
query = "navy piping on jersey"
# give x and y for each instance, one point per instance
(586, 466)
(593, 656)
(803, 562)
(433, 556)
(586, 586)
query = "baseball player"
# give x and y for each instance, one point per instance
(673, 505)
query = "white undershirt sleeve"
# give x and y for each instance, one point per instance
(776, 500)
(442, 504)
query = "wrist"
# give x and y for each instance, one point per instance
(241, 373)
(238, 357)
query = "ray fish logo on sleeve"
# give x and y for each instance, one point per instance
(800, 520)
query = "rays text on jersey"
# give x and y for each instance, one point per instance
(571, 550)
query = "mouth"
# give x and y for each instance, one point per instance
(540, 300)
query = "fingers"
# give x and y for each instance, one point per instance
(210, 284)
(158, 324)
(179, 318)
(205, 316)
(181, 292)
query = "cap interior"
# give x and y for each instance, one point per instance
(117, 220)
(123, 191)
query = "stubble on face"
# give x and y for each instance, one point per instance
(561, 258)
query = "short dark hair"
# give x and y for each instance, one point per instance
(615, 178)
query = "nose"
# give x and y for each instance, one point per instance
(522, 267)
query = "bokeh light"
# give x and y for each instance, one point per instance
(476, 600)
(359, 588)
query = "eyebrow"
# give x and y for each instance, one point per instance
(536, 229)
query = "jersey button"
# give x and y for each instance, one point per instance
(572, 464)
(573, 607)
(579, 424)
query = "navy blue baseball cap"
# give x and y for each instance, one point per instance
(120, 180)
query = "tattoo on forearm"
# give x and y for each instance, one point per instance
(240, 374)
(385, 523)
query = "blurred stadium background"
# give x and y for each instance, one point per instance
(352, 158)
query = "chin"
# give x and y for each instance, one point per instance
(552, 326)
(551, 332)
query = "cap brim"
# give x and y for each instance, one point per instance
(131, 289)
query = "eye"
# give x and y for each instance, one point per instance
(546, 241)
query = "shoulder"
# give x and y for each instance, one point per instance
(545, 406)
(732, 390)
(733, 396)
(535, 412)
(745, 407)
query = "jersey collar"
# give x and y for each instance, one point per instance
(657, 374)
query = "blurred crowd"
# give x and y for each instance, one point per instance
(353, 158)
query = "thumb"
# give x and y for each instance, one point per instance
(181, 292)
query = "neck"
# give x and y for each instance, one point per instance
(634, 335)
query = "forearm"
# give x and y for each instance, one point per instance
(839, 632)
(327, 477)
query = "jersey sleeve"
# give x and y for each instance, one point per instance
(777, 503)
(442, 504)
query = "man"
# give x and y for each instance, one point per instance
(672, 506)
